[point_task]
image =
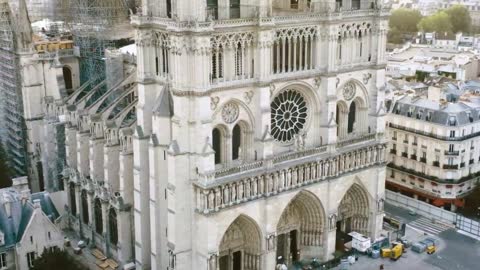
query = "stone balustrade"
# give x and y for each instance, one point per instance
(285, 19)
(273, 176)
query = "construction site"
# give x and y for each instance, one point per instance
(34, 29)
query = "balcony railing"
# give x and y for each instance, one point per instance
(450, 167)
(414, 157)
(393, 151)
(404, 154)
(436, 164)
(423, 160)
(270, 179)
(452, 153)
(402, 169)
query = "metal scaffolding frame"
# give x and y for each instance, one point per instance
(96, 25)
(11, 104)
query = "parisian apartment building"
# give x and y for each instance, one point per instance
(434, 146)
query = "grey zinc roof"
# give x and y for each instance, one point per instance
(420, 108)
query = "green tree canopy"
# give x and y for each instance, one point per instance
(405, 20)
(438, 22)
(5, 179)
(460, 18)
(56, 259)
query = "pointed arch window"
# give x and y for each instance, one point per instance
(98, 216)
(352, 117)
(73, 201)
(217, 145)
(85, 216)
(236, 142)
(113, 229)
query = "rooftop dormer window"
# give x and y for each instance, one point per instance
(410, 112)
(470, 117)
(429, 116)
(452, 121)
(419, 114)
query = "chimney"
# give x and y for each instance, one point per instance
(36, 204)
(25, 195)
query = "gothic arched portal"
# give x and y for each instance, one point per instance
(240, 248)
(300, 228)
(353, 213)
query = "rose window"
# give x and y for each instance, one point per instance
(289, 115)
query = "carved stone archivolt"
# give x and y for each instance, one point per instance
(230, 112)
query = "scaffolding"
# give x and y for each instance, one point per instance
(97, 25)
(12, 121)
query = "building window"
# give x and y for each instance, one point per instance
(451, 148)
(289, 113)
(112, 223)
(49, 236)
(3, 260)
(98, 216)
(84, 198)
(452, 133)
(31, 239)
(73, 201)
(450, 161)
(30, 259)
(236, 142)
(217, 144)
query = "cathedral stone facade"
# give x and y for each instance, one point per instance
(259, 130)
(241, 131)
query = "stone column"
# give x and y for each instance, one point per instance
(71, 147)
(96, 159)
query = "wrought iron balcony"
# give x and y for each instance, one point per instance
(450, 167)
(423, 160)
(452, 153)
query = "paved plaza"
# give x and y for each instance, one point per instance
(454, 250)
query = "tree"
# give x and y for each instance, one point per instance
(438, 22)
(5, 172)
(395, 36)
(405, 20)
(56, 259)
(460, 18)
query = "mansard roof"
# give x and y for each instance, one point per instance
(442, 113)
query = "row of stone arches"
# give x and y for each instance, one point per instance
(300, 233)
(97, 219)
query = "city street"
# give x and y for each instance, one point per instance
(455, 250)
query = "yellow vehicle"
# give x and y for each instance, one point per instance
(431, 249)
(386, 252)
(397, 252)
